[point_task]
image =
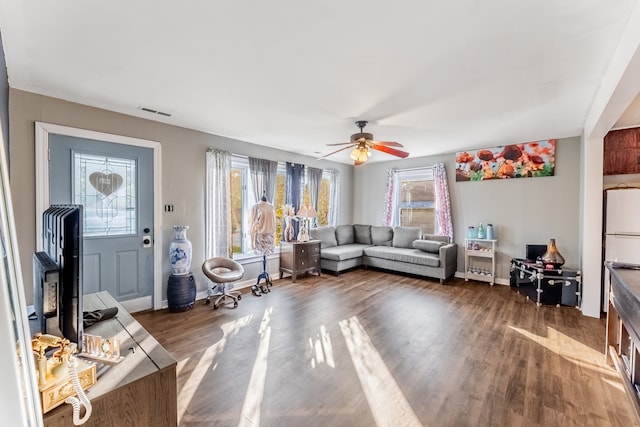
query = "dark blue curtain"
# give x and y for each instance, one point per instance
(293, 192)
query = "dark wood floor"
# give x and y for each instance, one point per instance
(371, 348)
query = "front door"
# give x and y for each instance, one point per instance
(114, 184)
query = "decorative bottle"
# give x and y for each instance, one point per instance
(180, 251)
(489, 231)
(552, 257)
(481, 232)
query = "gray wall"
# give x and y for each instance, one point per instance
(4, 99)
(183, 171)
(524, 210)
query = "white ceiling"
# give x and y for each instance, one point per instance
(291, 74)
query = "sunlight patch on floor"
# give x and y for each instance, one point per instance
(321, 349)
(388, 404)
(250, 414)
(569, 348)
(206, 362)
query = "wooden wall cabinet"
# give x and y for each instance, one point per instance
(622, 152)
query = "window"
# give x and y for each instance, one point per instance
(242, 200)
(323, 200)
(106, 187)
(415, 201)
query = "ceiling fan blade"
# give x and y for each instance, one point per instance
(390, 150)
(334, 152)
(340, 143)
(388, 143)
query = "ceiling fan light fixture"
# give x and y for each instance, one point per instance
(360, 155)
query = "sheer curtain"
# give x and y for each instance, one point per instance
(389, 198)
(263, 178)
(334, 197)
(443, 201)
(217, 207)
(314, 175)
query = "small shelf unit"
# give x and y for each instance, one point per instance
(480, 260)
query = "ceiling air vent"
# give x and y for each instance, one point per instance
(150, 110)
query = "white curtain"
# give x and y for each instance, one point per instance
(334, 197)
(217, 214)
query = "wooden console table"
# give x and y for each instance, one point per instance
(299, 257)
(140, 390)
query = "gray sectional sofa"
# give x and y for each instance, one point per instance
(403, 249)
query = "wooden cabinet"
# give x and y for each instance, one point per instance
(480, 260)
(140, 390)
(299, 257)
(622, 152)
(623, 324)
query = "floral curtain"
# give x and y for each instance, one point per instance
(389, 198)
(217, 206)
(443, 201)
(263, 178)
(334, 197)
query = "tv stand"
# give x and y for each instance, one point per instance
(140, 390)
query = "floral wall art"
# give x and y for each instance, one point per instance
(525, 160)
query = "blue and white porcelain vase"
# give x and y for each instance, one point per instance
(180, 251)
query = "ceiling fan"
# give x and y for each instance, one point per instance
(362, 142)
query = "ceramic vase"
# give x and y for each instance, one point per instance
(552, 257)
(180, 251)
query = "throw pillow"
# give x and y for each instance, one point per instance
(344, 234)
(430, 246)
(326, 235)
(362, 233)
(381, 235)
(403, 237)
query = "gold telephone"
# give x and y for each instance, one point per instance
(61, 376)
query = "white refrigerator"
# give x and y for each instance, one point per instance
(621, 230)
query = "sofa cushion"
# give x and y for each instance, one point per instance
(436, 237)
(381, 235)
(362, 233)
(344, 252)
(403, 237)
(344, 234)
(326, 235)
(411, 256)
(431, 246)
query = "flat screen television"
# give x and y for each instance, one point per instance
(57, 273)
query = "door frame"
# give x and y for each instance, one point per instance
(42, 190)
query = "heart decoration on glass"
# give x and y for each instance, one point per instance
(106, 183)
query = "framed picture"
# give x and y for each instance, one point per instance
(525, 160)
